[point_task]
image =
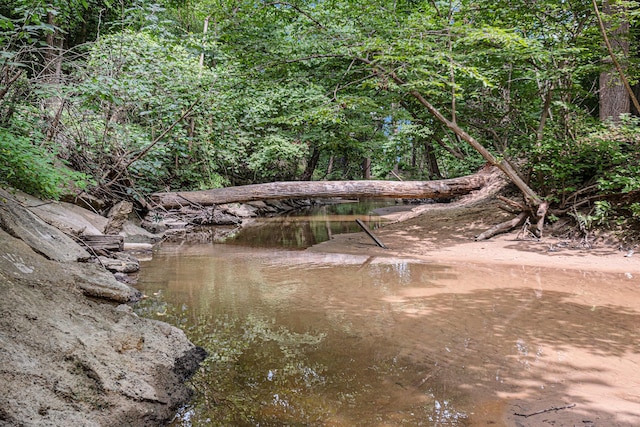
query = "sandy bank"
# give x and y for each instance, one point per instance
(445, 234)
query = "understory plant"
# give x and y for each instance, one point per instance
(34, 169)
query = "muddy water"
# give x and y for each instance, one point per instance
(306, 228)
(299, 338)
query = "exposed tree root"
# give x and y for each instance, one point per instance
(524, 217)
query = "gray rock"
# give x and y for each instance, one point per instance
(241, 210)
(69, 361)
(134, 234)
(65, 216)
(96, 282)
(85, 201)
(121, 263)
(20, 222)
(18, 261)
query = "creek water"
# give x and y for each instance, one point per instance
(300, 338)
(308, 227)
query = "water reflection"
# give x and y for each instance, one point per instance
(301, 338)
(305, 228)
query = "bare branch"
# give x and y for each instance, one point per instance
(302, 12)
(153, 143)
(11, 80)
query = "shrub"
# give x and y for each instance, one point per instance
(32, 169)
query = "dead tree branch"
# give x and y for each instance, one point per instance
(544, 411)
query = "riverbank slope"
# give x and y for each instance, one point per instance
(71, 351)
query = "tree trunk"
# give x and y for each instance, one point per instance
(52, 72)
(447, 188)
(312, 164)
(432, 162)
(366, 167)
(615, 92)
(330, 166)
(537, 206)
(530, 196)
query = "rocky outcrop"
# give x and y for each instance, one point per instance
(234, 214)
(38, 237)
(66, 359)
(49, 241)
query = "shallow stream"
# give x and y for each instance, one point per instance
(308, 339)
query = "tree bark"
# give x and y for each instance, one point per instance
(533, 200)
(366, 167)
(615, 92)
(446, 188)
(432, 161)
(503, 227)
(312, 164)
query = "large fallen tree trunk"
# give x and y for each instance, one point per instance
(447, 188)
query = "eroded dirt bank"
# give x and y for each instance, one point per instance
(67, 359)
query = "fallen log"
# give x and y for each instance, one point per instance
(103, 242)
(442, 189)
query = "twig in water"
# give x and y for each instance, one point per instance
(553, 408)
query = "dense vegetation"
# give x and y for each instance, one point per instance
(128, 97)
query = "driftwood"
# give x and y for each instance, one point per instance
(370, 234)
(104, 243)
(544, 411)
(503, 227)
(519, 220)
(442, 189)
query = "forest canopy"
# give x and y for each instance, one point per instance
(129, 97)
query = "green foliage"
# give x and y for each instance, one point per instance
(607, 156)
(33, 169)
(277, 158)
(601, 211)
(134, 86)
(287, 91)
(634, 208)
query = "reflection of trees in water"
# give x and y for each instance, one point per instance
(309, 227)
(256, 373)
(388, 354)
(260, 373)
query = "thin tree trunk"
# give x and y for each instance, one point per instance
(204, 34)
(538, 207)
(432, 162)
(530, 195)
(366, 168)
(312, 164)
(330, 166)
